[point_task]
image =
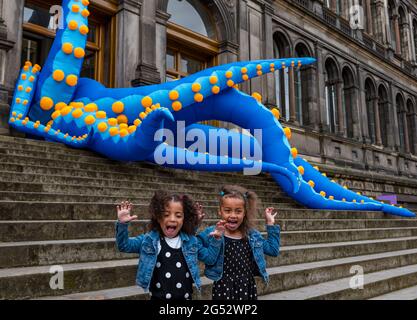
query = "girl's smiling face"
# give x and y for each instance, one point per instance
(172, 219)
(232, 210)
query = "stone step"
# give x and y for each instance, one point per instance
(43, 230)
(409, 293)
(36, 253)
(134, 168)
(105, 210)
(158, 175)
(142, 191)
(376, 283)
(32, 282)
(119, 181)
(82, 198)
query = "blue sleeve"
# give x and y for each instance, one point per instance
(208, 247)
(124, 243)
(209, 254)
(272, 243)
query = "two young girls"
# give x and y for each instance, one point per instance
(233, 251)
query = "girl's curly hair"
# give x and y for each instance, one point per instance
(251, 204)
(158, 204)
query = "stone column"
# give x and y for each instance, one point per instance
(369, 17)
(414, 119)
(340, 114)
(161, 43)
(412, 42)
(405, 42)
(392, 119)
(293, 117)
(128, 42)
(11, 15)
(378, 138)
(397, 34)
(384, 32)
(406, 132)
(313, 99)
(320, 87)
(268, 80)
(146, 71)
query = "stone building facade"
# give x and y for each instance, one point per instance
(356, 107)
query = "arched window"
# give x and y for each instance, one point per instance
(370, 97)
(191, 40)
(331, 81)
(302, 92)
(383, 113)
(282, 50)
(39, 30)
(348, 99)
(411, 126)
(399, 105)
(192, 15)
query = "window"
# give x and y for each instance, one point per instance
(348, 99)
(370, 108)
(302, 93)
(331, 80)
(181, 63)
(192, 15)
(282, 89)
(39, 29)
(383, 114)
(411, 125)
(191, 40)
(399, 105)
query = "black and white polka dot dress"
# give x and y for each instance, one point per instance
(239, 271)
(171, 279)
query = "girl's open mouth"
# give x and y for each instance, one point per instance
(171, 231)
(232, 225)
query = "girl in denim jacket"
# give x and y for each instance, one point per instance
(243, 247)
(168, 253)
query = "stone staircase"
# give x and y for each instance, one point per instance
(57, 208)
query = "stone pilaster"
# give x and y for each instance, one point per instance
(128, 42)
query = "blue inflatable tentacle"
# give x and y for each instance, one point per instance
(58, 80)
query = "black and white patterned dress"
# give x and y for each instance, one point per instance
(239, 271)
(171, 279)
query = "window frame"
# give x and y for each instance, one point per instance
(103, 8)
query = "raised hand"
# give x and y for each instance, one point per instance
(219, 230)
(123, 212)
(270, 214)
(200, 212)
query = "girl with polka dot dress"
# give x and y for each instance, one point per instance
(243, 249)
(169, 252)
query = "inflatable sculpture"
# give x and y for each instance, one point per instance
(122, 123)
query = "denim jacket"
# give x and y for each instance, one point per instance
(259, 247)
(147, 247)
